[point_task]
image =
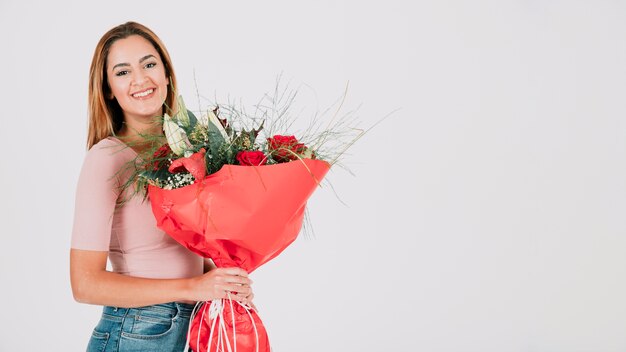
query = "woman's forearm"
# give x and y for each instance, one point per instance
(92, 284)
(113, 289)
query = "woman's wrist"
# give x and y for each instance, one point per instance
(188, 288)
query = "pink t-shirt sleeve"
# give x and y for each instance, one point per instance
(96, 196)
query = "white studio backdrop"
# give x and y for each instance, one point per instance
(487, 214)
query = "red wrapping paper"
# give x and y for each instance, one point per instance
(239, 216)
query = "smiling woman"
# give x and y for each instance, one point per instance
(138, 82)
(147, 296)
(129, 59)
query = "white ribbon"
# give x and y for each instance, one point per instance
(216, 312)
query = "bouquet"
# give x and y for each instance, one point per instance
(227, 194)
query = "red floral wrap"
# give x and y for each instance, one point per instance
(239, 216)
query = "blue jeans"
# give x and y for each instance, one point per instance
(161, 327)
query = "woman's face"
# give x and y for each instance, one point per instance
(137, 79)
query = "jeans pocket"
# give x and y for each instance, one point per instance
(98, 341)
(151, 323)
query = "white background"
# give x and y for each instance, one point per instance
(486, 215)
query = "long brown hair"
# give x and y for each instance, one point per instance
(105, 115)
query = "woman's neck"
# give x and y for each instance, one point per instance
(140, 140)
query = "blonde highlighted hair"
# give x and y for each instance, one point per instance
(105, 114)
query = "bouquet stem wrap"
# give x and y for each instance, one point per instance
(239, 216)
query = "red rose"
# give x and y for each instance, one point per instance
(194, 164)
(298, 148)
(159, 157)
(285, 148)
(279, 141)
(255, 158)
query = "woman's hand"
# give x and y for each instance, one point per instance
(218, 283)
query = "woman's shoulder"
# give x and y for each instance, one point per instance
(108, 153)
(111, 148)
(109, 159)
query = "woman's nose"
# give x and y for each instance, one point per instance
(139, 77)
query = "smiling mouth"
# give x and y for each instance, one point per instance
(143, 94)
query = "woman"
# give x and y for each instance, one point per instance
(149, 294)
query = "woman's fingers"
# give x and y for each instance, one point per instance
(241, 290)
(245, 299)
(245, 295)
(234, 275)
(238, 280)
(235, 271)
(240, 293)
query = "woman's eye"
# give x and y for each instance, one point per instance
(151, 64)
(121, 73)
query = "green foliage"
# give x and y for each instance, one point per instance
(225, 131)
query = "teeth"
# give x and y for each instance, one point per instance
(143, 94)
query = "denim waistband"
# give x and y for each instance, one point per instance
(174, 308)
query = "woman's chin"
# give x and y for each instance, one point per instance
(148, 112)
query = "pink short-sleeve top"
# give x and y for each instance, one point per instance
(128, 231)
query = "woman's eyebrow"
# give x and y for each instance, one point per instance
(146, 58)
(119, 65)
(127, 64)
